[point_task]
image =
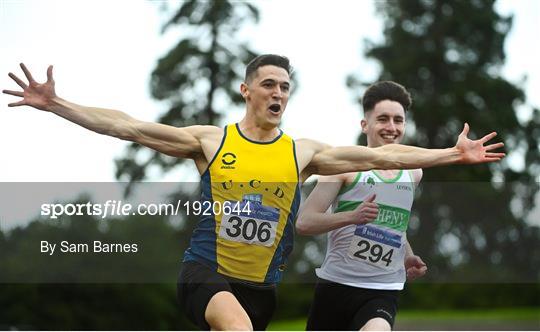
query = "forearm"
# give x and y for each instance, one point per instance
(392, 156)
(408, 249)
(314, 223)
(100, 120)
(397, 156)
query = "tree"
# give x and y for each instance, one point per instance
(470, 222)
(199, 77)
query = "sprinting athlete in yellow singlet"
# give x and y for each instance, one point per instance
(253, 245)
(216, 291)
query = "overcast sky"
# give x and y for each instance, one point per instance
(103, 53)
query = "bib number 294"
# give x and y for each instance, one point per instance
(375, 246)
(373, 253)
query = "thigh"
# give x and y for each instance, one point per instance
(258, 301)
(329, 307)
(376, 304)
(225, 313)
(197, 284)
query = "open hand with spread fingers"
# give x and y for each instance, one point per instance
(474, 152)
(34, 94)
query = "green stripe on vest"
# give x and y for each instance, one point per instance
(389, 216)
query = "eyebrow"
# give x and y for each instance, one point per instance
(398, 117)
(270, 80)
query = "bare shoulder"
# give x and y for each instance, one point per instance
(417, 175)
(209, 138)
(340, 178)
(205, 131)
(306, 149)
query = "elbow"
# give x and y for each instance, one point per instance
(385, 161)
(122, 130)
(390, 156)
(302, 230)
(388, 164)
(302, 227)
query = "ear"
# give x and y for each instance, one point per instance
(244, 91)
(363, 124)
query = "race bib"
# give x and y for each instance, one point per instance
(258, 226)
(376, 246)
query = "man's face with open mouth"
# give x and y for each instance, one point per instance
(267, 94)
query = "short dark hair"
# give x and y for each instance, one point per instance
(386, 90)
(265, 60)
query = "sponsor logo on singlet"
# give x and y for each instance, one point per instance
(403, 187)
(228, 159)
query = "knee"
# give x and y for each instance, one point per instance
(225, 313)
(377, 324)
(233, 324)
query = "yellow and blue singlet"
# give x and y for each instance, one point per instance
(259, 181)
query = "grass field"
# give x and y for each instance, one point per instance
(492, 320)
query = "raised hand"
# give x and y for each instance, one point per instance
(415, 267)
(38, 95)
(473, 152)
(366, 212)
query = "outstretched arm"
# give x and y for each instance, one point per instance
(178, 142)
(328, 160)
(313, 218)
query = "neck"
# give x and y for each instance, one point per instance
(256, 132)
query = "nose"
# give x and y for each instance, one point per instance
(391, 126)
(277, 92)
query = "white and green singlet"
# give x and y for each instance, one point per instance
(371, 255)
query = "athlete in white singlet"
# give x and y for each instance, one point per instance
(368, 256)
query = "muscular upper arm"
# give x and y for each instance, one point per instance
(323, 159)
(344, 159)
(185, 142)
(306, 149)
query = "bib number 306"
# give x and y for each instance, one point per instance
(248, 230)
